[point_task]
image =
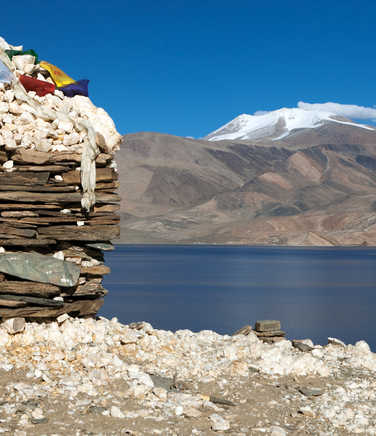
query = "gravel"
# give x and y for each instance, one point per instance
(100, 377)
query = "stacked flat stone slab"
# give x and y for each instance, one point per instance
(269, 331)
(40, 204)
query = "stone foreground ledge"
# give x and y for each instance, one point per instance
(146, 381)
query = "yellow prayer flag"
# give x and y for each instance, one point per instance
(58, 76)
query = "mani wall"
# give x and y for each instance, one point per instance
(58, 181)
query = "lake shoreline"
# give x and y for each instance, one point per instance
(315, 292)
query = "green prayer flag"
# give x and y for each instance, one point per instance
(31, 52)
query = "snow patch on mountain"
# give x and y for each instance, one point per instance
(277, 124)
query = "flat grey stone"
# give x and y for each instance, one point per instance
(39, 420)
(40, 268)
(245, 330)
(105, 246)
(96, 409)
(267, 325)
(271, 333)
(222, 401)
(301, 346)
(162, 382)
(311, 392)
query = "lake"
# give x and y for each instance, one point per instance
(314, 292)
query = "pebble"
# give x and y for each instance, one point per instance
(218, 423)
(301, 346)
(115, 412)
(8, 164)
(277, 431)
(37, 416)
(307, 411)
(191, 412)
(14, 325)
(311, 392)
(335, 341)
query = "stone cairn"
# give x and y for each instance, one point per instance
(58, 206)
(268, 331)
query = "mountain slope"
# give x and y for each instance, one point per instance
(267, 192)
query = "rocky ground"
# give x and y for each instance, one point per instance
(99, 377)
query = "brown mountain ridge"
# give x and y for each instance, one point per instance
(316, 187)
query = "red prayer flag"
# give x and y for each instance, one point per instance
(40, 87)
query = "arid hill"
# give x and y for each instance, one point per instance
(314, 187)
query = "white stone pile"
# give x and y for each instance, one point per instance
(22, 126)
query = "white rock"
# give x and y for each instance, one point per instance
(3, 44)
(60, 319)
(191, 412)
(219, 423)
(138, 391)
(9, 95)
(90, 263)
(307, 411)
(44, 145)
(160, 393)
(26, 117)
(115, 412)
(72, 139)
(100, 120)
(8, 164)
(8, 119)
(24, 420)
(20, 61)
(14, 325)
(27, 141)
(362, 346)
(59, 147)
(58, 298)
(178, 410)
(37, 413)
(27, 108)
(58, 255)
(59, 93)
(28, 69)
(4, 107)
(10, 144)
(14, 108)
(66, 126)
(335, 341)
(277, 431)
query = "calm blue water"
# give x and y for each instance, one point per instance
(315, 293)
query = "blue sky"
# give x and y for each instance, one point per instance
(188, 67)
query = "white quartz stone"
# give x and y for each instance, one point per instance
(116, 412)
(8, 164)
(218, 423)
(9, 95)
(20, 61)
(14, 325)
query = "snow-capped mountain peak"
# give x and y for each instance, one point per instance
(276, 124)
